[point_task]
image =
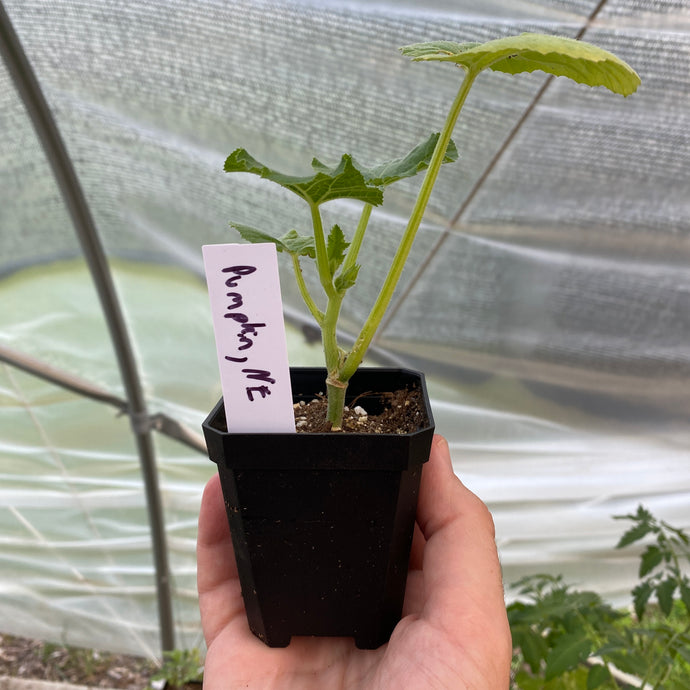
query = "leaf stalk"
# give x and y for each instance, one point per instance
(304, 291)
(321, 252)
(358, 237)
(356, 355)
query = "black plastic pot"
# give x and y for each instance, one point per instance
(322, 524)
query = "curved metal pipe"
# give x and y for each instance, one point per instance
(37, 108)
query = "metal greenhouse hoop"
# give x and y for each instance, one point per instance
(49, 135)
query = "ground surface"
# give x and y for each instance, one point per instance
(24, 658)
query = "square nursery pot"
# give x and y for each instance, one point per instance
(322, 523)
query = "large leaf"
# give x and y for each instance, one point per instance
(557, 55)
(342, 182)
(349, 179)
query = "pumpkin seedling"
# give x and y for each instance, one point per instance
(338, 259)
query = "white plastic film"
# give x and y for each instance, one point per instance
(547, 297)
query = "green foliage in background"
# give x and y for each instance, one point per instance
(180, 668)
(566, 639)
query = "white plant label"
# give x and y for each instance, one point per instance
(247, 311)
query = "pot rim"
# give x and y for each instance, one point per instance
(324, 450)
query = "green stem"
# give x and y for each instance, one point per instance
(304, 291)
(354, 359)
(321, 252)
(649, 676)
(598, 642)
(332, 352)
(336, 403)
(334, 358)
(334, 355)
(356, 244)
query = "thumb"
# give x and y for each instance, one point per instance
(461, 570)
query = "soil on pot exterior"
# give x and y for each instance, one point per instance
(403, 413)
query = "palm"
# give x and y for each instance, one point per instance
(453, 633)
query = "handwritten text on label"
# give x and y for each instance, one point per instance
(246, 307)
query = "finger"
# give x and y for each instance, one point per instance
(218, 585)
(214, 546)
(417, 550)
(462, 575)
(414, 588)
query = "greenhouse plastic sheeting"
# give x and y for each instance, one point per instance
(547, 297)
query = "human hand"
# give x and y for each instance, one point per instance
(454, 631)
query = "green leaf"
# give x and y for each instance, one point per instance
(679, 533)
(532, 645)
(342, 182)
(557, 55)
(335, 248)
(642, 515)
(349, 179)
(630, 662)
(302, 245)
(570, 651)
(615, 643)
(664, 594)
(346, 279)
(597, 676)
(641, 594)
(682, 647)
(523, 681)
(634, 534)
(685, 595)
(414, 162)
(650, 559)
(290, 242)
(536, 585)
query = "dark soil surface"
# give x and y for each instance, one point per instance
(25, 658)
(402, 413)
